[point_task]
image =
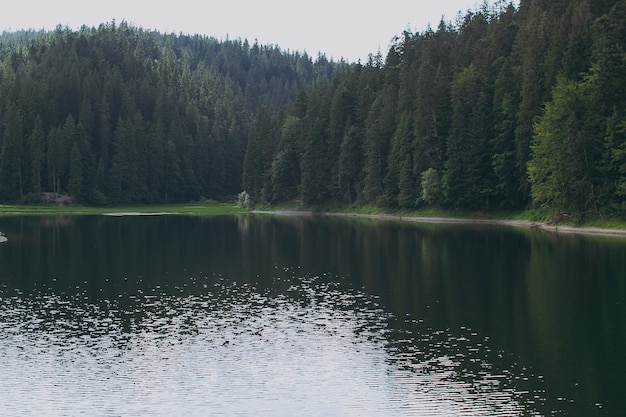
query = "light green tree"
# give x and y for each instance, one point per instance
(565, 149)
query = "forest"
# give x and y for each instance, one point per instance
(506, 108)
(118, 115)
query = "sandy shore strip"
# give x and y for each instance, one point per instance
(454, 220)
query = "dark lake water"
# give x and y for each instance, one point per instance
(283, 316)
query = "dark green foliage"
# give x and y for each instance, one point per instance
(448, 119)
(380, 126)
(350, 164)
(314, 186)
(285, 175)
(399, 181)
(75, 178)
(563, 151)
(257, 173)
(505, 108)
(11, 156)
(578, 159)
(37, 146)
(285, 169)
(117, 114)
(468, 179)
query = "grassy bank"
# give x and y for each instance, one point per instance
(209, 208)
(200, 209)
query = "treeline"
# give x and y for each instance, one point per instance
(116, 114)
(506, 108)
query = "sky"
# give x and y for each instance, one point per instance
(341, 29)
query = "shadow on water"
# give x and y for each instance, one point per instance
(528, 322)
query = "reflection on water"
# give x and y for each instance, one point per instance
(273, 316)
(314, 348)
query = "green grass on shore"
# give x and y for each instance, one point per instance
(211, 208)
(201, 209)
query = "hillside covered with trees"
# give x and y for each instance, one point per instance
(116, 114)
(505, 108)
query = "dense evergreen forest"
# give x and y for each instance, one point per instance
(505, 108)
(116, 114)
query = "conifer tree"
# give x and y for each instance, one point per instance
(37, 148)
(75, 176)
(11, 186)
(350, 164)
(565, 150)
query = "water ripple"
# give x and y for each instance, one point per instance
(222, 348)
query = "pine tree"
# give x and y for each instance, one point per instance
(316, 183)
(315, 176)
(37, 148)
(399, 181)
(258, 160)
(75, 178)
(468, 179)
(565, 150)
(286, 163)
(380, 125)
(432, 104)
(350, 164)
(11, 185)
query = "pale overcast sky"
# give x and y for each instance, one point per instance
(348, 29)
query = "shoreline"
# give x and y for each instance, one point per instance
(199, 209)
(592, 231)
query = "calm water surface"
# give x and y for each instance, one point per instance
(270, 316)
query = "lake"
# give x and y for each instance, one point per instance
(313, 316)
